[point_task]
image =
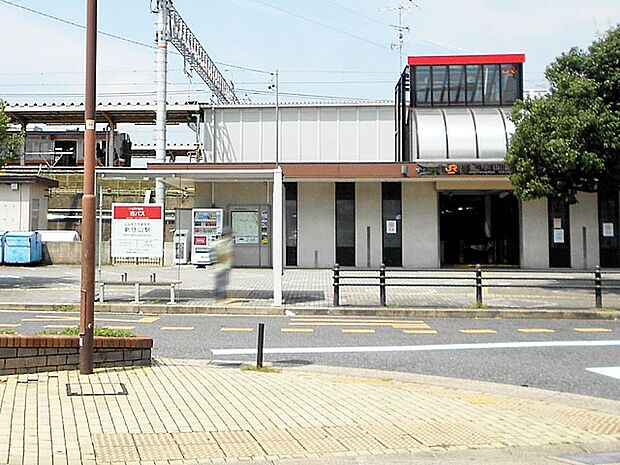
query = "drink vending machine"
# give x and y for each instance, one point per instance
(207, 224)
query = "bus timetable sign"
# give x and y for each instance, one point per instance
(137, 230)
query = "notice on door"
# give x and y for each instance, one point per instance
(137, 231)
(608, 230)
(558, 236)
(390, 227)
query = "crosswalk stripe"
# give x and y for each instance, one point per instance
(477, 331)
(419, 331)
(593, 330)
(535, 330)
(358, 331)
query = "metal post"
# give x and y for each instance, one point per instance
(598, 288)
(172, 296)
(87, 286)
(260, 344)
(336, 285)
(382, 285)
(136, 293)
(160, 120)
(478, 286)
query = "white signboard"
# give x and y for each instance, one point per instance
(137, 230)
(245, 227)
(558, 236)
(390, 227)
(608, 230)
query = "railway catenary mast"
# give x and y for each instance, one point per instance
(171, 27)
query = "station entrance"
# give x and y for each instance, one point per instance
(479, 227)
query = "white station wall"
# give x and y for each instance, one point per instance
(321, 133)
(316, 228)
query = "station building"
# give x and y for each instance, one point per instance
(419, 182)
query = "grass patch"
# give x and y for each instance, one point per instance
(261, 370)
(65, 308)
(7, 331)
(475, 305)
(99, 331)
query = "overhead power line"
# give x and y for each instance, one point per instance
(118, 37)
(319, 23)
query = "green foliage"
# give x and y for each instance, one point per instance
(263, 369)
(7, 331)
(569, 140)
(9, 143)
(99, 331)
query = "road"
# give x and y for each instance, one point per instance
(548, 354)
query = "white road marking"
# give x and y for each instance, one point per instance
(612, 372)
(419, 348)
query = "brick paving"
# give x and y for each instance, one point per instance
(307, 288)
(189, 412)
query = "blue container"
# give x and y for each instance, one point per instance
(23, 247)
(1, 247)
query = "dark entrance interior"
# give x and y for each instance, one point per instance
(65, 153)
(479, 227)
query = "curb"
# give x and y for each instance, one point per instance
(264, 310)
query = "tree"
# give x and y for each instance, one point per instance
(9, 143)
(569, 140)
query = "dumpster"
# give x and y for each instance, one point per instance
(22, 247)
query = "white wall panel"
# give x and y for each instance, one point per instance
(329, 134)
(289, 135)
(250, 134)
(309, 134)
(348, 137)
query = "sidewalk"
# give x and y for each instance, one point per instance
(189, 412)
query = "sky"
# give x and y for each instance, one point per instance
(322, 49)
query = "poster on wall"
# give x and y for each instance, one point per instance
(608, 230)
(137, 230)
(245, 227)
(390, 227)
(558, 236)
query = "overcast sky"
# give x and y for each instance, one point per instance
(323, 48)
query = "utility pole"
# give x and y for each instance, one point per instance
(87, 289)
(400, 29)
(162, 76)
(276, 87)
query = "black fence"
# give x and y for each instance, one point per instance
(476, 280)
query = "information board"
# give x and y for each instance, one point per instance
(245, 227)
(137, 231)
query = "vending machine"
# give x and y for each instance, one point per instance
(207, 224)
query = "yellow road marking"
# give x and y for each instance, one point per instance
(59, 326)
(358, 331)
(177, 328)
(404, 326)
(9, 325)
(51, 318)
(148, 319)
(121, 328)
(536, 330)
(593, 330)
(352, 323)
(477, 331)
(419, 331)
(236, 330)
(297, 330)
(358, 320)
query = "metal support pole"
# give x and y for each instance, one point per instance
(136, 293)
(336, 285)
(598, 288)
(382, 285)
(260, 344)
(172, 293)
(87, 286)
(162, 76)
(478, 286)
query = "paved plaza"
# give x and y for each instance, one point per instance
(189, 412)
(313, 287)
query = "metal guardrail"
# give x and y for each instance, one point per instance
(476, 280)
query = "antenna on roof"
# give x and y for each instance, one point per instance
(400, 28)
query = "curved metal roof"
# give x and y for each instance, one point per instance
(460, 134)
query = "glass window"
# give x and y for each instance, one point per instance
(440, 85)
(345, 223)
(491, 84)
(510, 83)
(457, 85)
(423, 85)
(474, 84)
(291, 223)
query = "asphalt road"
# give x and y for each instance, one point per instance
(548, 354)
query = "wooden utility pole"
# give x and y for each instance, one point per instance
(87, 289)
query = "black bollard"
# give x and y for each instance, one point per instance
(260, 344)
